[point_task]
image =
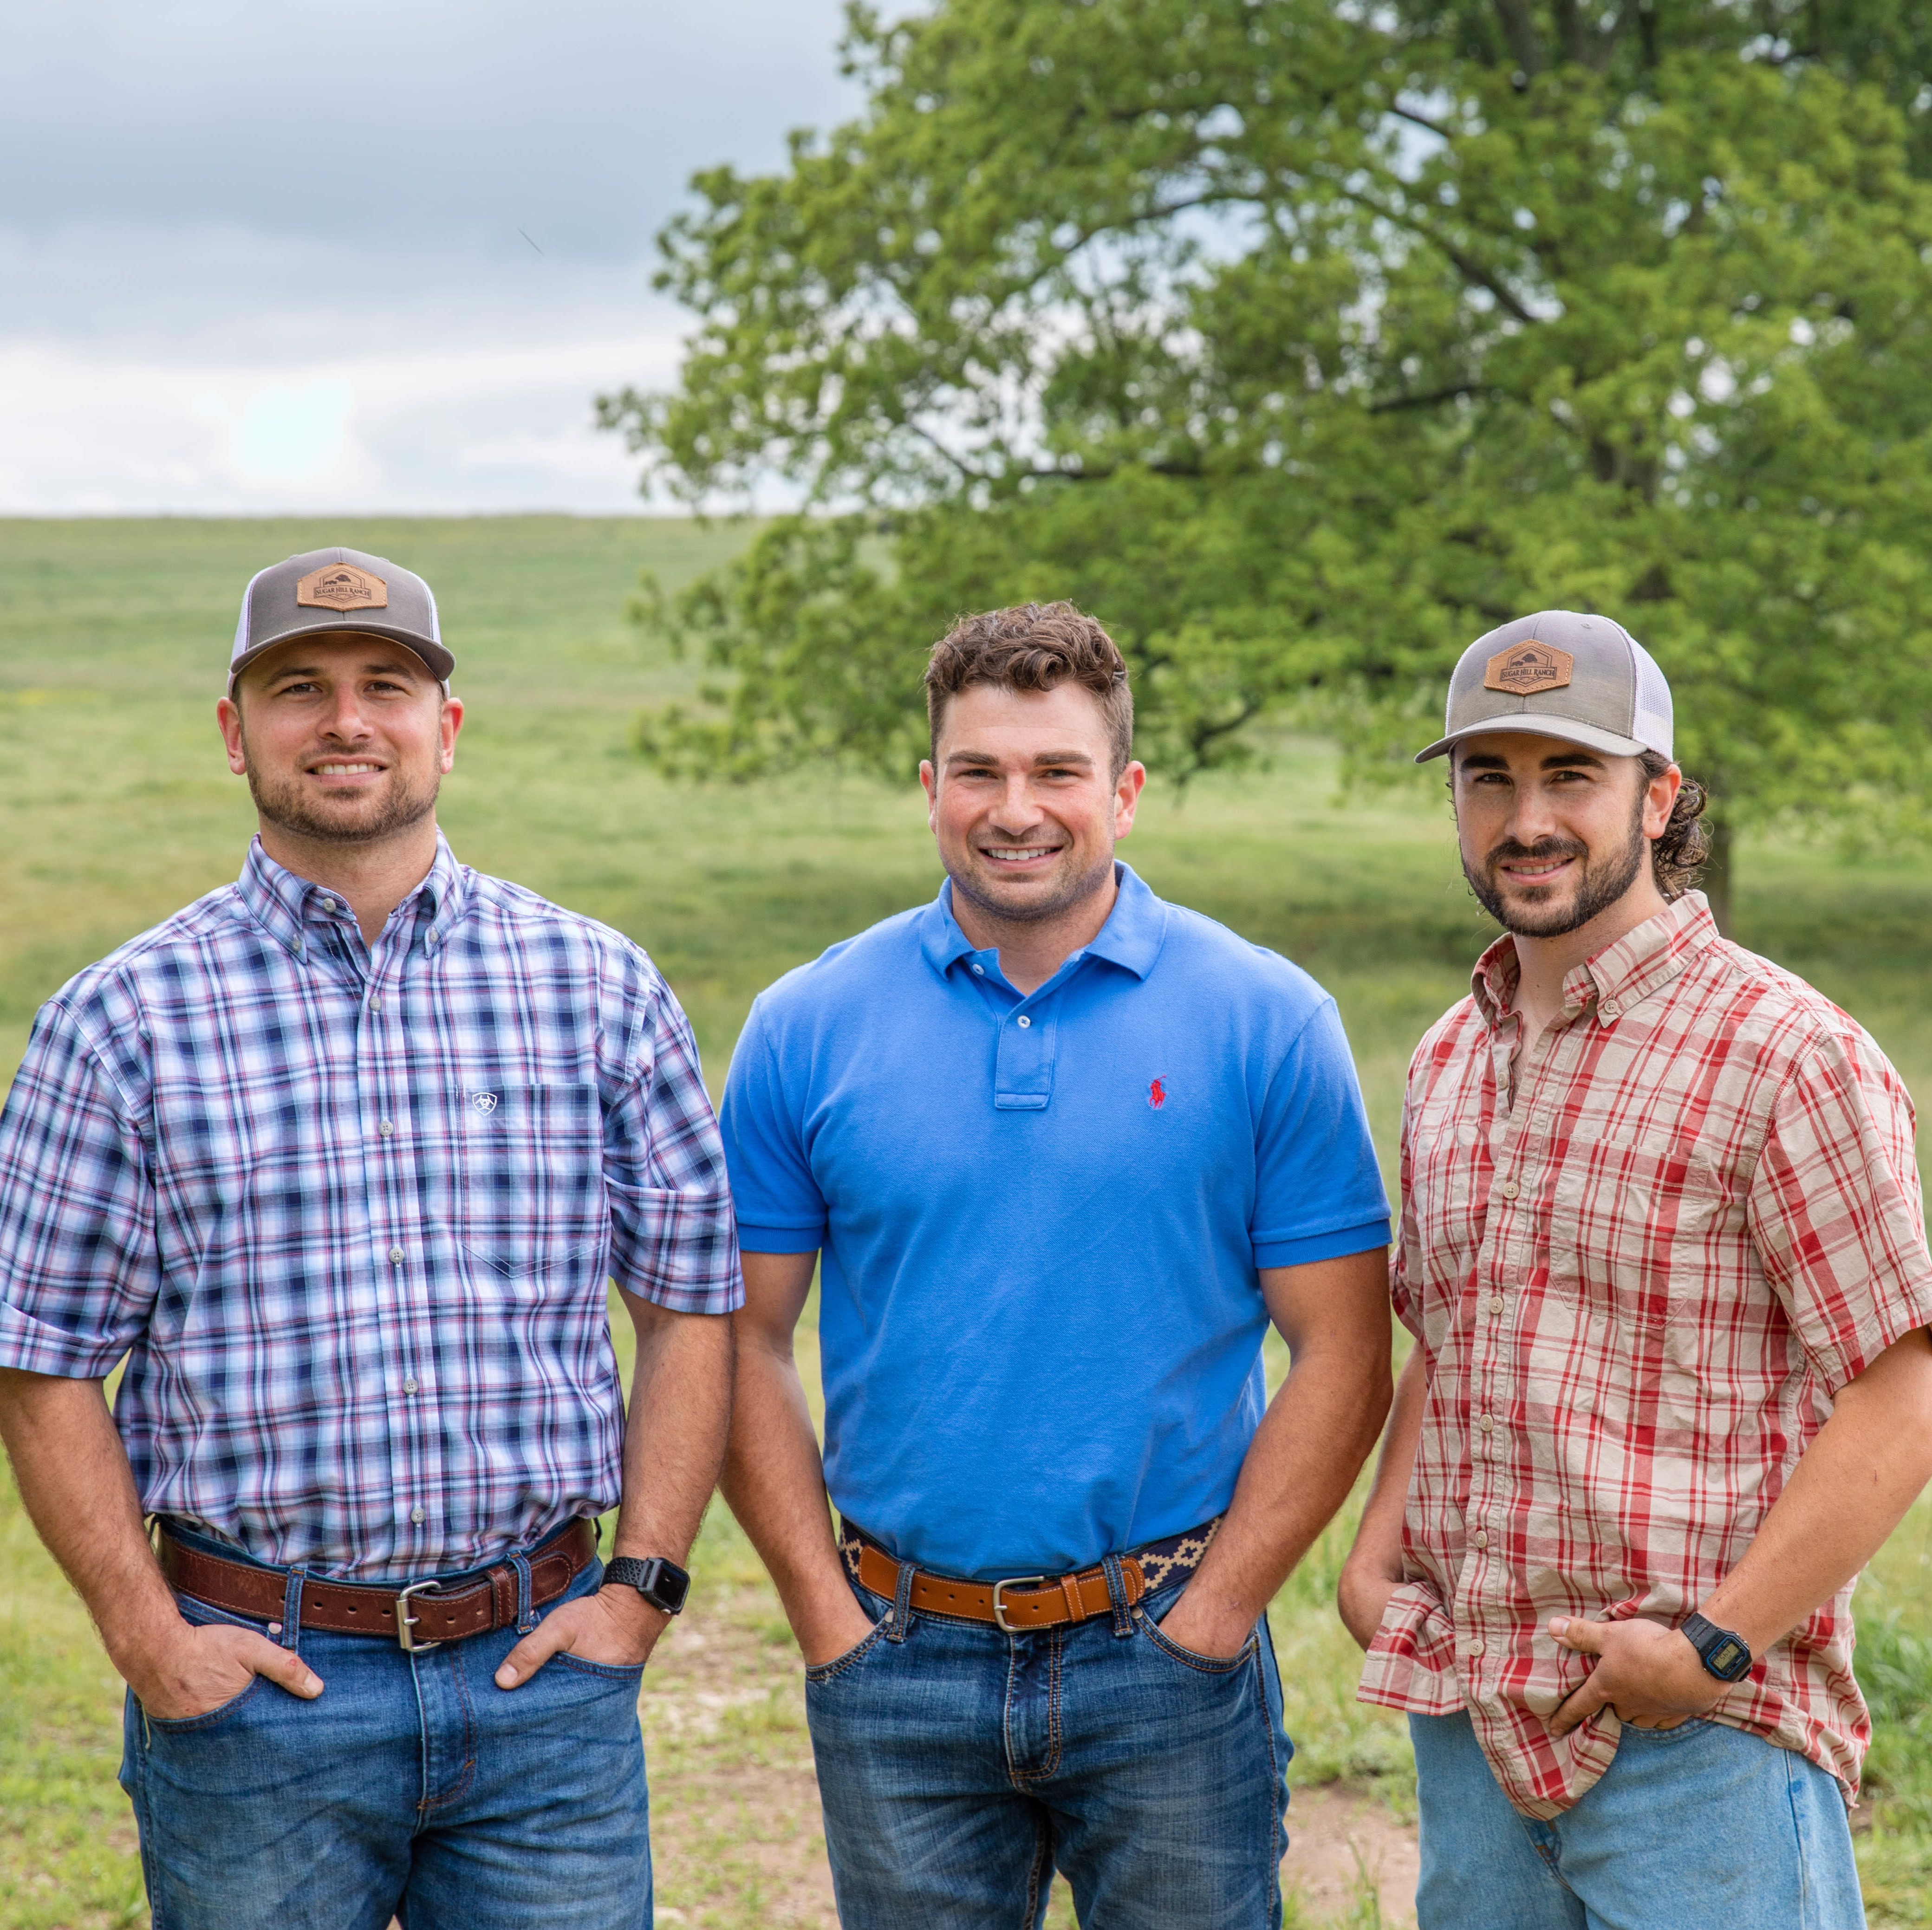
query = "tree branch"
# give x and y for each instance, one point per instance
(1423, 121)
(1470, 269)
(1429, 401)
(1520, 32)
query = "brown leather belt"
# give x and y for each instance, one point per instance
(419, 1616)
(1026, 1602)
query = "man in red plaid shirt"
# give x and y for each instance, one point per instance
(1664, 1253)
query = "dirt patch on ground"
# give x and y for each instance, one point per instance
(1341, 1841)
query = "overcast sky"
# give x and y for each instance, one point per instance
(266, 256)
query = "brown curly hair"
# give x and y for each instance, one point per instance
(1680, 854)
(1033, 646)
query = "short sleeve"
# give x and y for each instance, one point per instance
(1835, 1210)
(79, 1268)
(672, 1239)
(780, 1208)
(1318, 1192)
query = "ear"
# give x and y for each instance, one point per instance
(228, 717)
(449, 721)
(1660, 798)
(929, 780)
(1127, 796)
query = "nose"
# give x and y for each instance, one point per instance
(1016, 810)
(1532, 816)
(345, 719)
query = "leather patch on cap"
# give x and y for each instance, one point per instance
(342, 587)
(1526, 668)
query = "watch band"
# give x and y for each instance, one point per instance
(661, 1583)
(1724, 1653)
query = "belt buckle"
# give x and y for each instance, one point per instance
(405, 1621)
(999, 1590)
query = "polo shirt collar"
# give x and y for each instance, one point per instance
(1639, 963)
(288, 908)
(1131, 938)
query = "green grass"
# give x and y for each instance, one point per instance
(116, 808)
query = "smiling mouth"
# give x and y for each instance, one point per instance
(1534, 872)
(344, 770)
(1018, 854)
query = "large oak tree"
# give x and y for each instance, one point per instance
(1303, 340)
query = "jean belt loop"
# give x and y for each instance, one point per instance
(292, 1595)
(901, 1617)
(1117, 1593)
(526, 1619)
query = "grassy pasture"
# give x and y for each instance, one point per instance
(116, 808)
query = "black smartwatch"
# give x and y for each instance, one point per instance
(662, 1584)
(1724, 1654)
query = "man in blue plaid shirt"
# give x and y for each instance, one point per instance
(339, 1159)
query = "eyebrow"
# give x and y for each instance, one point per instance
(1045, 757)
(383, 666)
(1558, 760)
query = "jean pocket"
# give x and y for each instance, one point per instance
(184, 1725)
(1678, 1732)
(630, 1672)
(823, 1672)
(1190, 1658)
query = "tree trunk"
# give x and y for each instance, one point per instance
(1716, 882)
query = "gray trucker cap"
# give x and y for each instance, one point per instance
(328, 592)
(1586, 679)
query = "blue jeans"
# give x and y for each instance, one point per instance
(1700, 1828)
(412, 1786)
(958, 1766)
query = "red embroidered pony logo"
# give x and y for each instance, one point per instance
(1157, 1094)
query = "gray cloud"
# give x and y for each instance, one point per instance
(262, 256)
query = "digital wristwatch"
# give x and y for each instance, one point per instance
(662, 1584)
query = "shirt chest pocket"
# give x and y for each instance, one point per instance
(1636, 1225)
(530, 1190)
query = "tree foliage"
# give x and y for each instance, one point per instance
(1303, 340)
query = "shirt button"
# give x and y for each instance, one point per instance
(1480, 1537)
(328, 904)
(1609, 1009)
(375, 1002)
(409, 1386)
(395, 1255)
(387, 1127)
(416, 1516)
(1023, 1021)
(1487, 1423)
(1475, 1641)
(978, 971)
(1509, 1189)
(1496, 1303)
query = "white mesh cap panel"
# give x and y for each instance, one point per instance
(1655, 720)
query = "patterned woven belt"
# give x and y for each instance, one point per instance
(1025, 1601)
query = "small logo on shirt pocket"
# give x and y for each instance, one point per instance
(484, 1102)
(1157, 1094)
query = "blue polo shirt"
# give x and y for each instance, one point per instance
(1040, 1219)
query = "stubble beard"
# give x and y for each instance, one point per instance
(404, 806)
(1603, 883)
(1032, 909)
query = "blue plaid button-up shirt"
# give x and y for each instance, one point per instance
(349, 1211)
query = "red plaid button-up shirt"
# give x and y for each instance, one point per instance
(1638, 1285)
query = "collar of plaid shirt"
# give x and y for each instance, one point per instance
(1639, 1286)
(348, 1210)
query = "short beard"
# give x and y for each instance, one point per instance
(1034, 911)
(1602, 884)
(283, 807)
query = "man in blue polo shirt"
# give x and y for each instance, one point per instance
(1061, 1151)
